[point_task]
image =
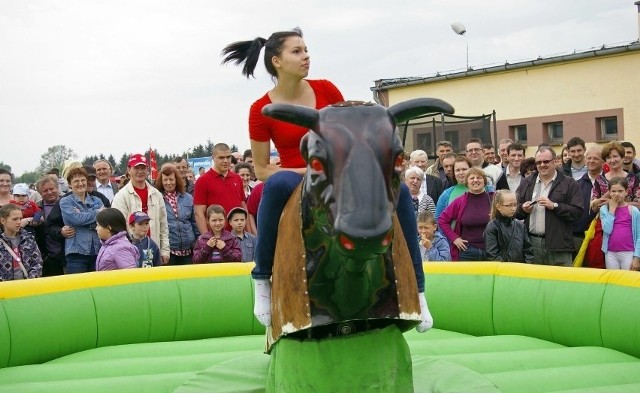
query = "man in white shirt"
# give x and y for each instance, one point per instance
(103, 179)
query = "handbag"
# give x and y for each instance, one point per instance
(13, 254)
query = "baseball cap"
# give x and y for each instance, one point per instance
(138, 217)
(137, 159)
(21, 189)
(91, 171)
(235, 210)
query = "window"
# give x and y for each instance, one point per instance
(518, 133)
(607, 127)
(554, 132)
(452, 136)
(424, 141)
(481, 133)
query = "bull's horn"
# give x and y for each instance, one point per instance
(411, 109)
(295, 114)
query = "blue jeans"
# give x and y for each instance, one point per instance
(79, 263)
(473, 254)
(275, 195)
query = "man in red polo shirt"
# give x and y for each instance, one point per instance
(218, 186)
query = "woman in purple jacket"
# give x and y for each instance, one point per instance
(116, 252)
(463, 222)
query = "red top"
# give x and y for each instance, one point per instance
(285, 136)
(212, 188)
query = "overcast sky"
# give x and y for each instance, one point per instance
(116, 76)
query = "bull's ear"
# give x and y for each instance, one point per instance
(295, 114)
(411, 109)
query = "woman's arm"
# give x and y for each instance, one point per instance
(73, 216)
(261, 156)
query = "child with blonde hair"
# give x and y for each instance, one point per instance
(433, 245)
(506, 239)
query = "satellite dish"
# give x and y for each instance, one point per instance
(458, 28)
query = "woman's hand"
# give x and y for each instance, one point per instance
(635, 264)
(67, 231)
(461, 244)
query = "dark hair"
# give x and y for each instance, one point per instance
(247, 153)
(475, 140)
(515, 146)
(243, 165)
(619, 180)
(179, 159)
(6, 172)
(575, 141)
(629, 145)
(488, 146)
(54, 171)
(444, 143)
(112, 219)
(167, 170)
(248, 52)
(544, 148)
(77, 172)
(528, 164)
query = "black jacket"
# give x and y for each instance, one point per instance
(507, 240)
(434, 187)
(558, 222)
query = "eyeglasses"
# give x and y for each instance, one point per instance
(474, 150)
(543, 162)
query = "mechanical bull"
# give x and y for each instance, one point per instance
(341, 262)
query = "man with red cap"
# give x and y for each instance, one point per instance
(139, 195)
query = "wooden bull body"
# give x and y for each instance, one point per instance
(341, 263)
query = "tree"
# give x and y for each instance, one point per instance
(28, 177)
(55, 158)
(5, 166)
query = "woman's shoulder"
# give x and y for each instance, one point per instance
(325, 89)
(260, 103)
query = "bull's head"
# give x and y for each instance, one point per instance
(354, 160)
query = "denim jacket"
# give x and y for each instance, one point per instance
(82, 217)
(183, 230)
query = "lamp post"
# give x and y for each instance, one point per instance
(459, 29)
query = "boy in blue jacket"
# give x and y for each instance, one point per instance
(433, 245)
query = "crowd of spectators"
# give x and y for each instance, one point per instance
(472, 206)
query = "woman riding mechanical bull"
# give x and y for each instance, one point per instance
(287, 60)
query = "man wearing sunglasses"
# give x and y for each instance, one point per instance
(549, 202)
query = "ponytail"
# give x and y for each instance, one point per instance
(246, 52)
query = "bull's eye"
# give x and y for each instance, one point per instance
(399, 164)
(316, 165)
(347, 243)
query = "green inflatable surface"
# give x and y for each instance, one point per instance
(499, 328)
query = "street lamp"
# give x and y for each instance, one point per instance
(459, 29)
